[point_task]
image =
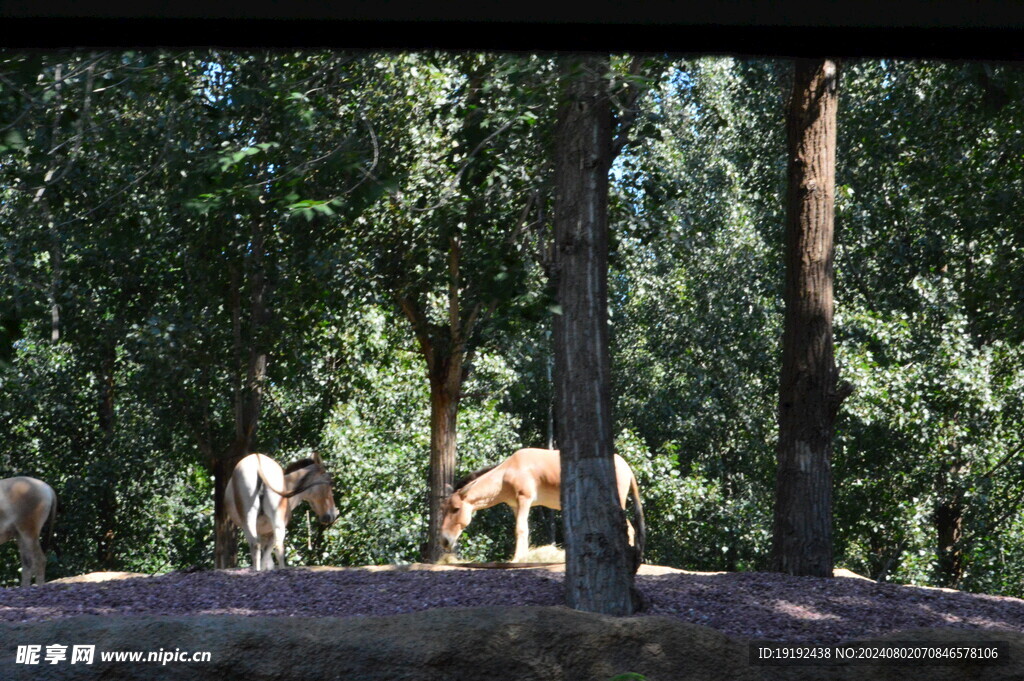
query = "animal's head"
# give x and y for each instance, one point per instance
(319, 488)
(455, 515)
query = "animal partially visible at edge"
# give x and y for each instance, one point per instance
(530, 477)
(261, 496)
(26, 505)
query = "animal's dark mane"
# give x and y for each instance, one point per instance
(310, 478)
(296, 465)
(472, 476)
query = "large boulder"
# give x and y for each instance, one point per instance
(453, 644)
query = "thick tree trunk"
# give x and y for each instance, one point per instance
(225, 535)
(599, 561)
(445, 385)
(445, 370)
(809, 398)
(444, 348)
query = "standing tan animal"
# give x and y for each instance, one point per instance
(260, 498)
(26, 504)
(530, 477)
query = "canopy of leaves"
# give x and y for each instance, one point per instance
(163, 215)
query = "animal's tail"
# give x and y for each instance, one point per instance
(51, 520)
(283, 493)
(640, 539)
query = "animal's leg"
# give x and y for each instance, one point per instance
(254, 555)
(40, 560)
(27, 563)
(522, 527)
(267, 546)
(279, 544)
(249, 529)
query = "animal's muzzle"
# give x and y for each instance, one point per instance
(329, 517)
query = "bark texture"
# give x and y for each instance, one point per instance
(445, 385)
(599, 564)
(445, 347)
(809, 394)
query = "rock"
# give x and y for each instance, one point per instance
(459, 644)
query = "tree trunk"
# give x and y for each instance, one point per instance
(949, 525)
(56, 258)
(225, 535)
(251, 356)
(225, 539)
(445, 384)
(105, 387)
(445, 360)
(599, 561)
(107, 506)
(809, 398)
(551, 520)
(444, 347)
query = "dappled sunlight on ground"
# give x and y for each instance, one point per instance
(802, 611)
(754, 605)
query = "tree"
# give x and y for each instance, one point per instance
(809, 393)
(928, 467)
(448, 244)
(252, 235)
(599, 562)
(697, 202)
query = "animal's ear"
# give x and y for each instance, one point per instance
(316, 458)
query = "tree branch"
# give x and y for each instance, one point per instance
(419, 327)
(629, 107)
(454, 254)
(1002, 462)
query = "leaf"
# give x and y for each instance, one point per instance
(14, 140)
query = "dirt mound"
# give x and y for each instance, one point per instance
(764, 606)
(468, 644)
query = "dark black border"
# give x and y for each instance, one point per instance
(937, 43)
(791, 13)
(939, 29)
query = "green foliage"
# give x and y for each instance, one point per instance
(122, 504)
(149, 199)
(925, 270)
(692, 520)
(696, 314)
(376, 445)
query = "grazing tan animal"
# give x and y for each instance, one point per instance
(260, 498)
(26, 504)
(530, 477)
